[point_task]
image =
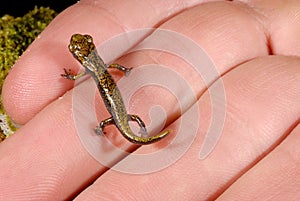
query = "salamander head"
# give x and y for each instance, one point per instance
(81, 46)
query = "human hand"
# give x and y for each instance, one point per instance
(45, 159)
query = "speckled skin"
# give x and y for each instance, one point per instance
(84, 50)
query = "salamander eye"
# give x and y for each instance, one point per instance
(71, 47)
(89, 39)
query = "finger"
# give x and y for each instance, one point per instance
(35, 80)
(282, 23)
(275, 177)
(44, 159)
(261, 105)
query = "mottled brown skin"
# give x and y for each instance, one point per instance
(84, 50)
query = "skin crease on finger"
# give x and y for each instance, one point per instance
(206, 171)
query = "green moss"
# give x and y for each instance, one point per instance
(16, 34)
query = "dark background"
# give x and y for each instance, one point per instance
(18, 8)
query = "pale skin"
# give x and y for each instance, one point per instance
(258, 155)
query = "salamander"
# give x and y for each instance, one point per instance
(84, 50)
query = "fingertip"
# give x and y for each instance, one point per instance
(34, 81)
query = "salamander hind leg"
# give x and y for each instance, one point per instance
(103, 123)
(143, 130)
(120, 67)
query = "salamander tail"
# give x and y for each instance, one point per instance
(146, 140)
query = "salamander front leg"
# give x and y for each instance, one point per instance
(71, 76)
(121, 68)
(99, 129)
(143, 131)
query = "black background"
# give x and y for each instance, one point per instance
(18, 8)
